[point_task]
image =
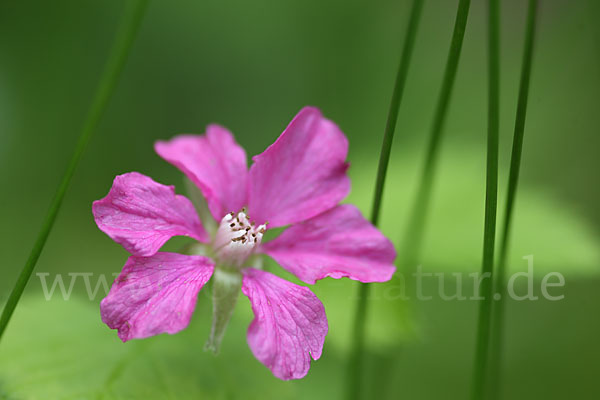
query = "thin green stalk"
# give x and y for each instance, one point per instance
(355, 370)
(513, 180)
(491, 203)
(386, 146)
(415, 227)
(115, 63)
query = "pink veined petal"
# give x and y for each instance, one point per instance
(338, 243)
(155, 294)
(142, 215)
(215, 163)
(289, 325)
(302, 174)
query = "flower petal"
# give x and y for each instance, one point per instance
(215, 163)
(142, 215)
(155, 294)
(302, 174)
(338, 243)
(289, 325)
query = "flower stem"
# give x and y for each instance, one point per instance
(115, 63)
(491, 202)
(415, 227)
(513, 180)
(226, 288)
(353, 384)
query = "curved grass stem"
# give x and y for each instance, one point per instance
(410, 248)
(115, 63)
(355, 369)
(491, 202)
(497, 337)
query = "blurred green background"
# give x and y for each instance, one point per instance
(251, 66)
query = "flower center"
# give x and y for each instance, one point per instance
(236, 239)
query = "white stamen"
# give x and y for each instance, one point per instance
(236, 239)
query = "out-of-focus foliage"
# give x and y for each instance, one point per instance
(558, 236)
(251, 66)
(61, 350)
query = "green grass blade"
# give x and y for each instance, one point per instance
(355, 372)
(513, 180)
(118, 56)
(386, 146)
(491, 202)
(415, 227)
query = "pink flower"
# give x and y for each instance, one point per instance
(298, 181)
